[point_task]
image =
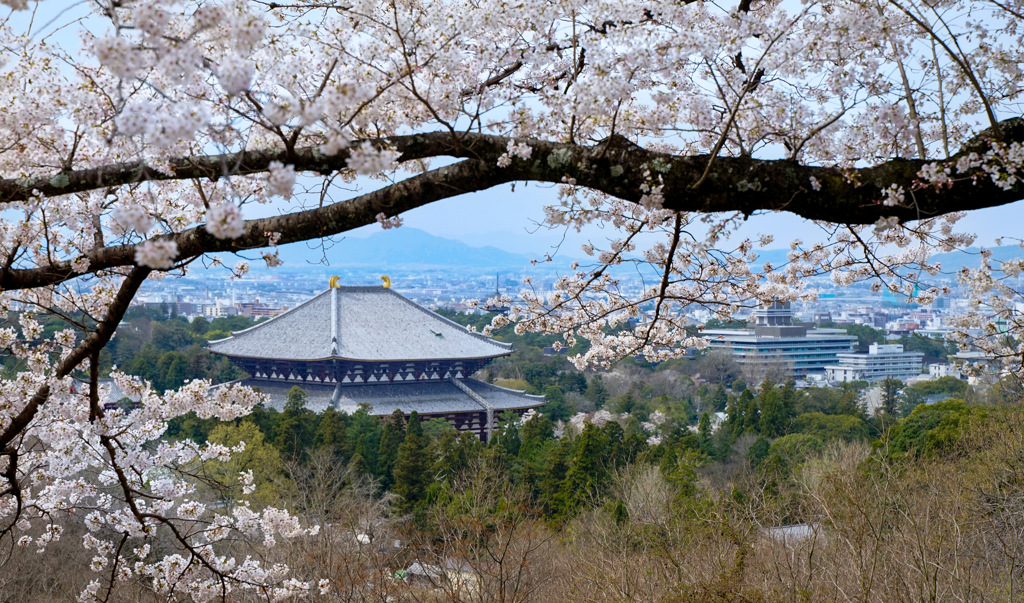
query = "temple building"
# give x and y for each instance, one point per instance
(350, 346)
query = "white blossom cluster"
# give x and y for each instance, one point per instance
(520, 150)
(280, 179)
(156, 253)
(387, 223)
(367, 159)
(224, 221)
(134, 217)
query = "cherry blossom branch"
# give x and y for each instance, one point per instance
(958, 57)
(744, 184)
(615, 166)
(95, 341)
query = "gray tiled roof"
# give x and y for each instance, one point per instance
(318, 396)
(425, 398)
(502, 398)
(373, 324)
(434, 397)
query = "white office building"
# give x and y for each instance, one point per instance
(778, 341)
(880, 362)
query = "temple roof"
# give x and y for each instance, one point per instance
(426, 398)
(371, 324)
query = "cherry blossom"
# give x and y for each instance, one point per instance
(670, 126)
(224, 221)
(156, 253)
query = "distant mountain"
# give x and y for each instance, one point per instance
(404, 248)
(971, 257)
(407, 248)
(951, 261)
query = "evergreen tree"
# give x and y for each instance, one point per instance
(387, 453)
(848, 402)
(758, 451)
(718, 399)
(412, 469)
(358, 466)
(788, 398)
(733, 424)
(199, 325)
(557, 408)
(363, 436)
(294, 434)
(144, 365)
(224, 370)
(597, 392)
(436, 427)
(624, 404)
(537, 437)
(552, 495)
(266, 419)
(774, 420)
(296, 399)
(173, 370)
(615, 440)
(750, 411)
(702, 395)
(890, 400)
(588, 470)
(704, 434)
(452, 452)
(198, 362)
(572, 381)
(506, 435)
(330, 433)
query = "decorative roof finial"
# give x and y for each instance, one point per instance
(333, 283)
(386, 279)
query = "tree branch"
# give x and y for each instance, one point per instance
(95, 341)
(614, 166)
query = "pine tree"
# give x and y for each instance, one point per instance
(294, 428)
(588, 469)
(704, 434)
(596, 391)
(506, 435)
(412, 468)
(557, 408)
(773, 421)
(387, 453)
(750, 411)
